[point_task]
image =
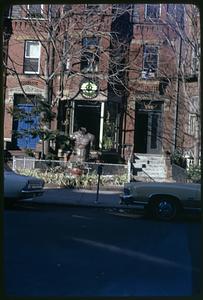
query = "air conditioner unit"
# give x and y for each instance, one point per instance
(143, 75)
(147, 75)
(151, 75)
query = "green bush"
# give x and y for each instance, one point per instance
(178, 159)
(60, 177)
(194, 173)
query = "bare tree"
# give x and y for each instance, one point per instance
(184, 22)
(76, 43)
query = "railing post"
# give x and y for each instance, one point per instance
(129, 170)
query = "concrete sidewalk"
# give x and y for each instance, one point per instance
(80, 197)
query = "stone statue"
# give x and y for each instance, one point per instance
(83, 141)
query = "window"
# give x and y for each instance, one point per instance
(66, 55)
(32, 57)
(176, 14)
(89, 62)
(35, 10)
(89, 42)
(90, 56)
(195, 59)
(192, 124)
(66, 8)
(92, 6)
(150, 59)
(152, 11)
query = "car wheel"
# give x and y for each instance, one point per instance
(165, 209)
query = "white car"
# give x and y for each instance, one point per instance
(161, 199)
(17, 187)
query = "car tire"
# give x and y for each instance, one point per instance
(165, 209)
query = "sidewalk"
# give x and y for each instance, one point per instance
(80, 197)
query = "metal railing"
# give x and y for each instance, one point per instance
(89, 167)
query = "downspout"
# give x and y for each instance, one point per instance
(178, 95)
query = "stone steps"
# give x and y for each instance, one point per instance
(149, 167)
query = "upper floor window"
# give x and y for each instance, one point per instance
(66, 55)
(90, 55)
(152, 11)
(92, 6)
(192, 124)
(90, 42)
(150, 62)
(35, 10)
(176, 13)
(195, 59)
(32, 57)
(66, 8)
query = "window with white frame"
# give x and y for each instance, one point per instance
(175, 13)
(195, 59)
(32, 57)
(192, 124)
(66, 55)
(35, 10)
(92, 6)
(150, 62)
(90, 56)
(152, 11)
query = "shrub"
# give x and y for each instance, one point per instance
(61, 177)
(178, 159)
(194, 173)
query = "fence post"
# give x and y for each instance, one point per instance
(129, 170)
(24, 162)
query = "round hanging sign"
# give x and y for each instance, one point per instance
(89, 89)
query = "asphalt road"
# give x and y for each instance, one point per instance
(64, 251)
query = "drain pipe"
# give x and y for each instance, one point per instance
(178, 95)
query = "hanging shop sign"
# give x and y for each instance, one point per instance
(89, 89)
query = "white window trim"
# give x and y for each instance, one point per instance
(158, 53)
(33, 72)
(192, 128)
(147, 17)
(42, 9)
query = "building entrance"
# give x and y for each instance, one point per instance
(87, 114)
(23, 127)
(148, 127)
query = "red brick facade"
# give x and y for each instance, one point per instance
(150, 100)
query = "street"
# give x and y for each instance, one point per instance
(74, 251)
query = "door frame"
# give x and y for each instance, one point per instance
(151, 109)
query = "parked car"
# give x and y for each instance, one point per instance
(17, 187)
(162, 200)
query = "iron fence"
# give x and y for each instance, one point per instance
(88, 167)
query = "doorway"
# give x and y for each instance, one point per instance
(87, 114)
(23, 128)
(148, 129)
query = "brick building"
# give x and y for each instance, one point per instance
(119, 80)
